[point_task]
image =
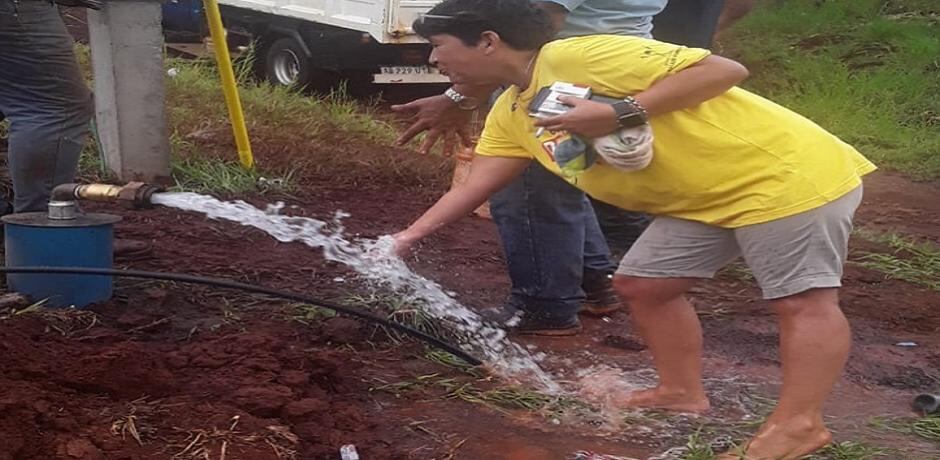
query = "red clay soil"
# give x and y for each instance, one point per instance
(193, 369)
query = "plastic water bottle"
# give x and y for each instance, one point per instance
(348, 452)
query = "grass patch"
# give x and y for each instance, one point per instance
(308, 314)
(331, 135)
(450, 360)
(927, 427)
(697, 448)
(498, 398)
(295, 137)
(909, 260)
(194, 97)
(212, 175)
(400, 310)
(858, 68)
(851, 450)
(65, 321)
(91, 166)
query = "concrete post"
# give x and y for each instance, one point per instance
(126, 39)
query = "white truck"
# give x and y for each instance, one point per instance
(314, 43)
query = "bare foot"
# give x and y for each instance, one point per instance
(783, 441)
(659, 398)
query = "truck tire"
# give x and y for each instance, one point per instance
(286, 64)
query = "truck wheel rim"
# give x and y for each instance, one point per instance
(286, 67)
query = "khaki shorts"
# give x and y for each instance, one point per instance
(787, 256)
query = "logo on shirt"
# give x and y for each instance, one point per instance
(671, 56)
(549, 145)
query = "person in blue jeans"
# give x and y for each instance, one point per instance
(558, 258)
(48, 104)
(45, 98)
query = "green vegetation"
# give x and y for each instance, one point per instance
(473, 391)
(867, 70)
(927, 427)
(697, 448)
(909, 260)
(307, 314)
(851, 450)
(295, 137)
(401, 310)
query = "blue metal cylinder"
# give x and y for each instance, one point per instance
(32, 239)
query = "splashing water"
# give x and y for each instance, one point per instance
(374, 260)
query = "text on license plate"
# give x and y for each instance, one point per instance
(407, 70)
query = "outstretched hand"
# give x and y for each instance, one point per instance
(441, 118)
(404, 244)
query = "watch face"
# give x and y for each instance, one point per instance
(628, 116)
(631, 119)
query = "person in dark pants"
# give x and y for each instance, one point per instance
(688, 22)
(48, 104)
(559, 261)
(44, 97)
(558, 243)
(733, 174)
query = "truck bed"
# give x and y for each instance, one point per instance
(387, 21)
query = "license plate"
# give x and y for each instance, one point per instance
(407, 70)
(407, 74)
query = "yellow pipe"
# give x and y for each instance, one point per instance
(229, 86)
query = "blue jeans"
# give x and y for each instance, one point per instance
(552, 242)
(44, 96)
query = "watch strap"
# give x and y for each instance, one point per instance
(630, 113)
(454, 95)
(463, 102)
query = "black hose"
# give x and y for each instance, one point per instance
(224, 283)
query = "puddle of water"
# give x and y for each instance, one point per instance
(375, 262)
(604, 386)
(599, 385)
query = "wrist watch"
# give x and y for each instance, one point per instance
(629, 113)
(463, 102)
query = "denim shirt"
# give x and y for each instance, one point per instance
(618, 17)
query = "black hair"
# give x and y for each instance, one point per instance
(520, 23)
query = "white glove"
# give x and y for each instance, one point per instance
(627, 149)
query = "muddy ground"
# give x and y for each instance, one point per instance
(167, 370)
(174, 371)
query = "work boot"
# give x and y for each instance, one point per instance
(600, 297)
(547, 327)
(502, 315)
(513, 317)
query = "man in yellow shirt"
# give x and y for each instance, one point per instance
(732, 174)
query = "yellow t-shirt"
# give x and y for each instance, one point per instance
(735, 160)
